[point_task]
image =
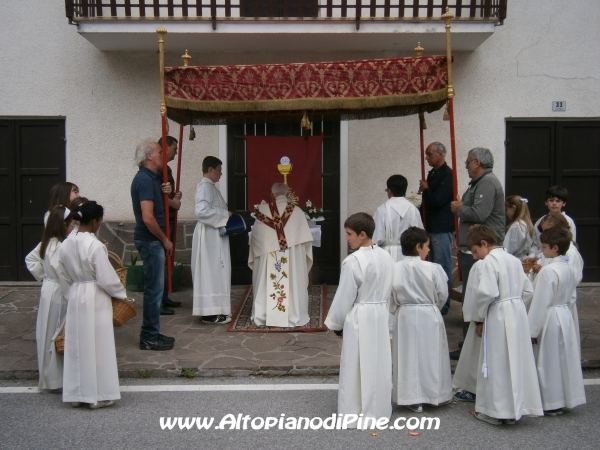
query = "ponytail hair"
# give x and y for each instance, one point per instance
(55, 228)
(521, 212)
(87, 212)
(60, 194)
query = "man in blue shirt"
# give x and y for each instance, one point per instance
(150, 239)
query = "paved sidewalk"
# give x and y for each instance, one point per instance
(209, 350)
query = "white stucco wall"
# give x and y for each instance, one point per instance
(110, 100)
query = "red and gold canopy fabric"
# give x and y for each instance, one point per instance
(349, 89)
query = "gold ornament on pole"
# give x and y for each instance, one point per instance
(419, 50)
(186, 58)
(161, 52)
(447, 17)
(305, 122)
(285, 168)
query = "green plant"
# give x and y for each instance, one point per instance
(146, 373)
(188, 373)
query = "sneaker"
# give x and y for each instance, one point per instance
(164, 338)
(488, 419)
(464, 396)
(75, 404)
(447, 402)
(166, 311)
(102, 404)
(553, 412)
(220, 319)
(156, 344)
(418, 408)
(455, 355)
(509, 421)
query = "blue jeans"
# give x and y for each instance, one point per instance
(153, 255)
(441, 253)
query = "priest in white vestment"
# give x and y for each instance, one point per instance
(280, 258)
(211, 262)
(90, 370)
(507, 383)
(558, 358)
(360, 310)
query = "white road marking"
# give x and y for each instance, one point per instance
(221, 387)
(198, 388)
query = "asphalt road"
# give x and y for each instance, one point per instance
(41, 420)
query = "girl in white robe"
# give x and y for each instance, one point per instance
(360, 309)
(61, 194)
(421, 364)
(507, 384)
(42, 262)
(519, 232)
(552, 328)
(90, 371)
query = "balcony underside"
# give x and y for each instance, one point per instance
(308, 35)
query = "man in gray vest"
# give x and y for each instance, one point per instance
(482, 203)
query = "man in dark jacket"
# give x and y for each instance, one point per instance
(439, 221)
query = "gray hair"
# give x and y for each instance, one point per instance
(142, 150)
(280, 189)
(439, 147)
(484, 156)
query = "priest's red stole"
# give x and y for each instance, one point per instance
(263, 154)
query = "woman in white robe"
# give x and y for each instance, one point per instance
(551, 323)
(90, 371)
(421, 365)
(360, 309)
(53, 304)
(211, 263)
(507, 383)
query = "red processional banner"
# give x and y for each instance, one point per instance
(264, 153)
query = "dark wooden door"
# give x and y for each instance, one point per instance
(542, 153)
(32, 159)
(326, 268)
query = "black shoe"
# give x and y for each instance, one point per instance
(444, 311)
(164, 338)
(156, 344)
(166, 312)
(455, 355)
(168, 303)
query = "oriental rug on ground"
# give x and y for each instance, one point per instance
(317, 311)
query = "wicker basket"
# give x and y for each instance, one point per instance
(121, 271)
(59, 343)
(122, 312)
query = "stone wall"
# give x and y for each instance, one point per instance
(119, 236)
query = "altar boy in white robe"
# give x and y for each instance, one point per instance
(507, 383)
(360, 312)
(280, 255)
(552, 327)
(211, 263)
(421, 365)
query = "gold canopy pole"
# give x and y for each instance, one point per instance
(163, 113)
(448, 16)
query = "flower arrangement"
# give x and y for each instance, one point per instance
(313, 212)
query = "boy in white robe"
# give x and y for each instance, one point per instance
(556, 200)
(211, 263)
(465, 374)
(552, 327)
(392, 219)
(421, 365)
(507, 383)
(359, 311)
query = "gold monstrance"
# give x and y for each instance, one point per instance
(285, 168)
